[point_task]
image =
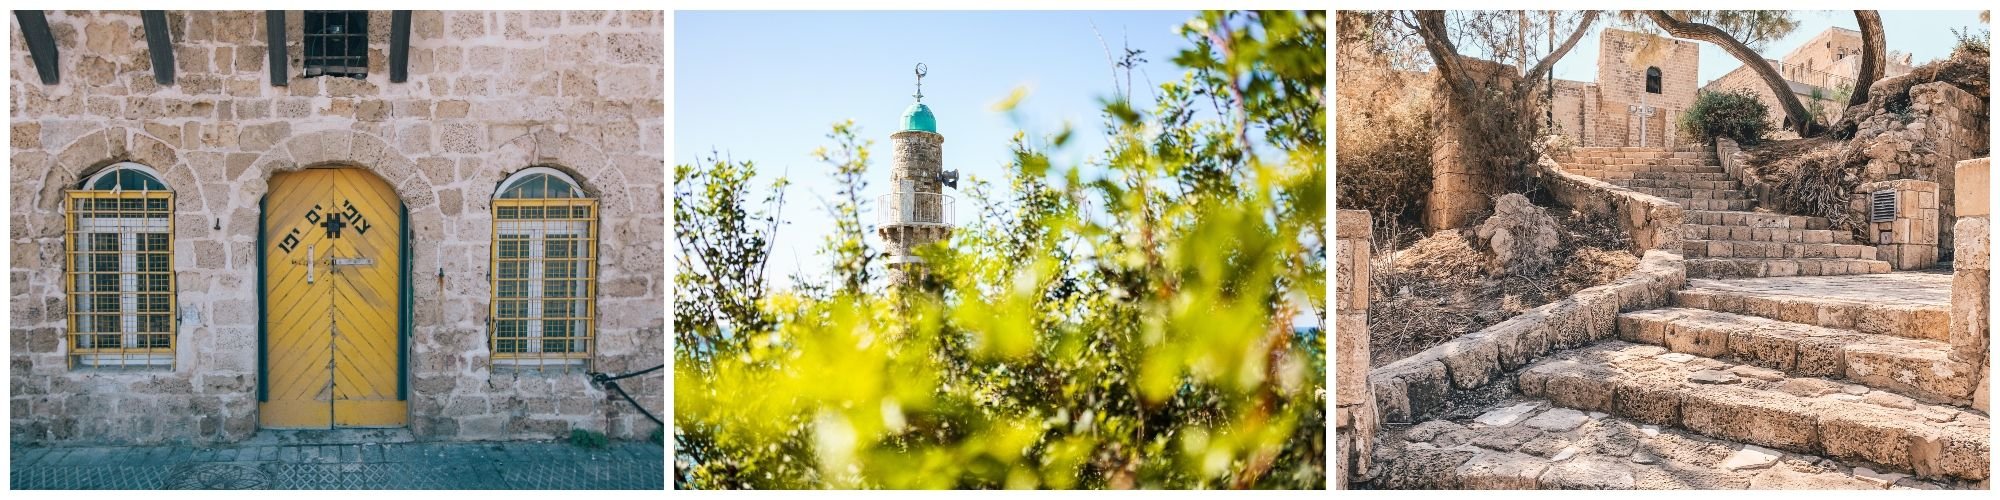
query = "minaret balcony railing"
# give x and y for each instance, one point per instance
(915, 209)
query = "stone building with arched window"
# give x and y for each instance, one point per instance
(228, 221)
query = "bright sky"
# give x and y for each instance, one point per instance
(767, 86)
(1926, 34)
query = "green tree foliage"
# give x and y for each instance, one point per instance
(852, 259)
(722, 242)
(1736, 114)
(1130, 329)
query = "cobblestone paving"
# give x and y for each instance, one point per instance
(509, 465)
(1910, 288)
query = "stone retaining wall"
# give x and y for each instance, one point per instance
(1354, 405)
(1653, 222)
(1909, 240)
(488, 94)
(1412, 389)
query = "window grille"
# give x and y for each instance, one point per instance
(120, 275)
(544, 272)
(1653, 80)
(336, 43)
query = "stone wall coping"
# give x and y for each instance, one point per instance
(1970, 185)
(1899, 185)
(1351, 224)
(1413, 387)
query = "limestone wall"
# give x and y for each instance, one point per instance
(1909, 240)
(489, 93)
(1413, 389)
(1653, 222)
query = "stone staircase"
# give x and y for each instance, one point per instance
(1827, 382)
(1723, 236)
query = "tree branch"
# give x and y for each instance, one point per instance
(1527, 83)
(1796, 116)
(1430, 25)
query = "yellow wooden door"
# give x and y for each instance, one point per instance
(333, 282)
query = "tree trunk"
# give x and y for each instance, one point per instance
(1796, 116)
(1874, 53)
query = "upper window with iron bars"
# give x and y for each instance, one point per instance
(336, 43)
(120, 281)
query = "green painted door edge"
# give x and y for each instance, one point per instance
(403, 320)
(263, 321)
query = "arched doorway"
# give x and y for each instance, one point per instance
(335, 309)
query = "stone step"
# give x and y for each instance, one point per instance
(1747, 233)
(1754, 219)
(1530, 443)
(1920, 369)
(1701, 204)
(1643, 162)
(1650, 385)
(1740, 267)
(1696, 248)
(1871, 304)
(1636, 183)
(1612, 171)
(1699, 194)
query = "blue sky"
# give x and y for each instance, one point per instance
(1926, 34)
(767, 86)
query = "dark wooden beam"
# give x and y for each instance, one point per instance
(160, 43)
(399, 46)
(274, 26)
(41, 44)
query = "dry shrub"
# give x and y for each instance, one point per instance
(1813, 177)
(1438, 288)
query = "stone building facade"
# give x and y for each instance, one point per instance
(489, 96)
(1635, 72)
(1822, 72)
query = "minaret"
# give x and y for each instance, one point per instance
(916, 210)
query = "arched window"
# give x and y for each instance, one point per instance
(544, 272)
(120, 249)
(1653, 80)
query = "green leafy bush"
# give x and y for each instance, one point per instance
(1736, 114)
(1133, 327)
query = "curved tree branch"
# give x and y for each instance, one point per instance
(1430, 25)
(1874, 53)
(1796, 116)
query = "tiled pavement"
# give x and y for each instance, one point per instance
(478, 465)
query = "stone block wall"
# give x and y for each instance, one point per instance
(489, 93)
(1940, 126)
(1653, 222)
(1412, 389)
(1971, 335)
(1910, 240)
(1355, 417)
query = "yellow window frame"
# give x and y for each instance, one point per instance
(147, 313)
(528, 327)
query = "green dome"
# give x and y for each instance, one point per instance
(919, 117)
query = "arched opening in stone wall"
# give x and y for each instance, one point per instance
(1653, 80)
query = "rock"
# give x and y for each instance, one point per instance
(1751, 457)
(1808, 387)
(1506, 439)
(1598, 415)
(1883, 478)
(1649, 430)
(1845, 397)
(1676, 357)
(1501, 471)
(1565, 454)
(1854, 389)
(1546, 446)
(1880, 398)
(1784, 478)
(1713, 377)
(1589, 473)
(1558, 420)
(1505, 416)
(1521, 237)
(1764, 374)
(1644, 458)
(1427, 431)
